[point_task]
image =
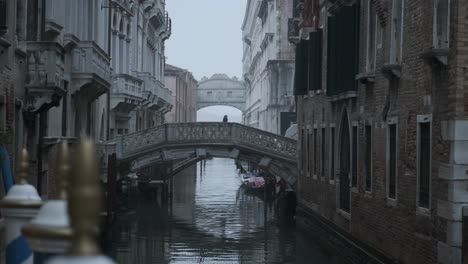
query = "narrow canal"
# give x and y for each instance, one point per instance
(212, 221)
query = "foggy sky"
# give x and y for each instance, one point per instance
(206, 36)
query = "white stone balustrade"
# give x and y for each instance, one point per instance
(89, 58)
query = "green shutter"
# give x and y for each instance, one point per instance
(315, 60)
(300, 74)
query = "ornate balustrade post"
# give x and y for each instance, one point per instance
(49, 233)
(18, 207)
(84, 190)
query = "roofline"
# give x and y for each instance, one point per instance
(247, 9)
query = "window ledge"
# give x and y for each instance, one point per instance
(4, 43)
(52, 28)
(423, 211)
(345, 95)
(368, 194)
(391, 202)
(366, 77)
(343, 214)
(354, 190)
(437, 56)
(391, 71)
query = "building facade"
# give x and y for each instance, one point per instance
(67, 67)
(139, 98)
(268, 65)
(183, 86)
(220, 89)
(382, 104)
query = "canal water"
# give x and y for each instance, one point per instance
(212, 220)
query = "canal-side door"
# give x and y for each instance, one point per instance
(344, 164)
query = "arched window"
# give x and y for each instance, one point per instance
(114, 21)
(102, 134)
(121, 26)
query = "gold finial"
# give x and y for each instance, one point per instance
(85, 201)
(23, 167)
(63, 170)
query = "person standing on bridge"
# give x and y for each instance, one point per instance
(225, 119)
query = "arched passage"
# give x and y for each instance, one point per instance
(215, 114)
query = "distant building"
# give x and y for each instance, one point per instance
(268, 65)
(382, 99)
(139, 99)
(183, 86)
(221, 90)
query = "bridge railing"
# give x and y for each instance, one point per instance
(206, 133)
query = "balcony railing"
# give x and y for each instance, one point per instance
(126, 93)
(127, 85)
(89, 58)
(163, 93)
(155, 89)
(45, 74)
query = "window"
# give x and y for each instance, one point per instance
(424, 161)
(304, 150)
(397, 31)
(3, 17)
(441, 24)
(354, 156)
(332, 153)
(368, 158)
(229, 94)
(309, 156)
(209, 93)
(392, 159)
(371, 37)
(119, 131)
(343, 50)
(315, 152)
(322, 154)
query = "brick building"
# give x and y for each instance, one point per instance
(382, 99)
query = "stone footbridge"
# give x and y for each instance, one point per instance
(188, 143)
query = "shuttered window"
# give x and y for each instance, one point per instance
(300, 75)
(354, 156)
(332, 153)
(343, 50)
(392, 161)
(315, 60)
(424, 164)
(3, 17)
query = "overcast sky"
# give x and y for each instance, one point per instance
(206, 36)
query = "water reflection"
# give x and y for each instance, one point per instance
(212, 221)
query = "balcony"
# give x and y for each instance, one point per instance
(90, 70)
(44, 79)
(126, 93)
(156, 96)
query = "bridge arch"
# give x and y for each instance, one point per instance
(221, 90)
(191, 142)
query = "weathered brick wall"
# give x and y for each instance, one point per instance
(424, 88)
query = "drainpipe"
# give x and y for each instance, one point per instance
(43, 13)
(109, 43)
